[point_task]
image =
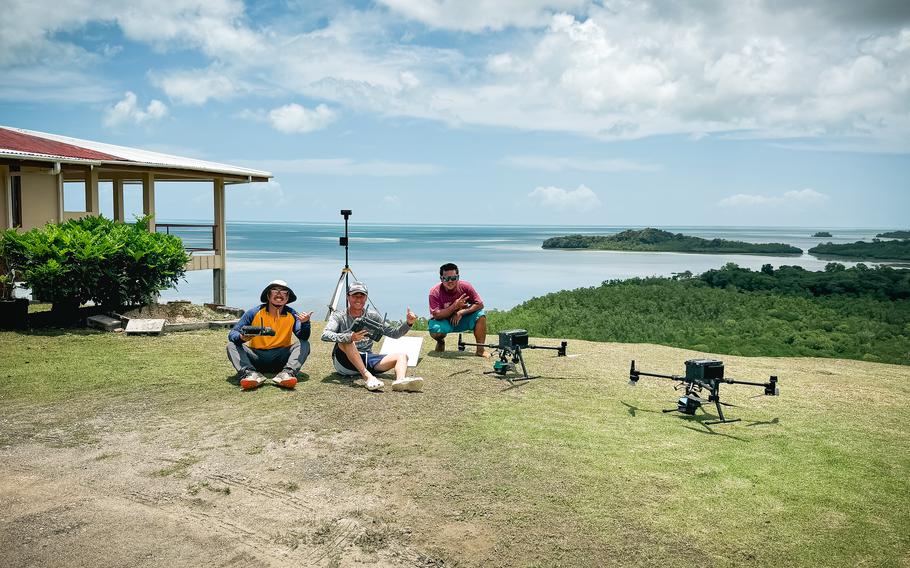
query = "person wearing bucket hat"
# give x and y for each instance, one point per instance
(353, 353)
(252, 354)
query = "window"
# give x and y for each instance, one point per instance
(15, 197)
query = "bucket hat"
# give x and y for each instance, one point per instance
(264, 297)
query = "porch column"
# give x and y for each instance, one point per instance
(92, 201)
(6, 216)
(118, 199)
(148, 198)
(219, 275)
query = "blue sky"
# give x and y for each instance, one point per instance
(629, 113)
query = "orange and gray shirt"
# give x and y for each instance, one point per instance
(285, 325)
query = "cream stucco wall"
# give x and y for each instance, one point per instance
(40, 200)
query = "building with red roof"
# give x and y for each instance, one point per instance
(35, 165)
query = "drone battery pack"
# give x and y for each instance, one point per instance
(513, 338)
(704, 369)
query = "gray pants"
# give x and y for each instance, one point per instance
(244, 358)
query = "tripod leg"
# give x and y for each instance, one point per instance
(339, 289)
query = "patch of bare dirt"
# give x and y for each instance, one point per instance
(180, 312)
(154, 490)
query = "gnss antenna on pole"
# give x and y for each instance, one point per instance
(346, 273)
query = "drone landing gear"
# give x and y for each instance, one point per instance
(690, 403)
(502, 366)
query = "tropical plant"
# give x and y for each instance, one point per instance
(110, 263)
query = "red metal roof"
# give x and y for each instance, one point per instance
(20, 142)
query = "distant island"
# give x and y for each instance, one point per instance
(895, 235)
(860, 250)
(656, 240)
(823, 234)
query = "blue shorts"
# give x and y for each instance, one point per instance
(466, 323)
(344, 366)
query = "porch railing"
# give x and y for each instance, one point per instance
(195, 237)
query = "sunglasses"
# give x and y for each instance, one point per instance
(278, 292)
(448, 278)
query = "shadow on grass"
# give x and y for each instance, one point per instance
(58, 331)
(336, 379)
(454, 355)
(707, 429)
(633, 409)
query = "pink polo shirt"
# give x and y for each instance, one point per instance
(440, 298)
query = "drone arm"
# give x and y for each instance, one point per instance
(560, 351)
(770, 386)
(635, 374)
(462, 344)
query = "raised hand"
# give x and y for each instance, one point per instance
(411, 317)
(304, 317)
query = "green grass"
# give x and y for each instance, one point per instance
(573, 469)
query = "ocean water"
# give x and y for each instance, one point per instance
(399, 263)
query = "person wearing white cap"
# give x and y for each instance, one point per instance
(253, 354)
(353, 353)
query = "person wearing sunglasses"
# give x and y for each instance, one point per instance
(253, 355)
(455, 306)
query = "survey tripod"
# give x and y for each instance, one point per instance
(346, 272)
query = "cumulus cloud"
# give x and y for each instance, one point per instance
(294, 118)
(479, 15)
(581, 199)
(347, 167)
(613, 70)
(794, 197)
(128, 111)
(195, 87)
(558, 164)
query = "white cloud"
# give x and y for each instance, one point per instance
(391, 200)
(128, 111)
(581, 199)
(792, 197)
(195, 87)
(479, 15)
(347, 167)
(294, 118)
(558, 164)
(40, 85)
(614, 70)
(259, 196)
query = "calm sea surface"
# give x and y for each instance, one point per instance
(507, 265)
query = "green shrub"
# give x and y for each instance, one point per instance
(110, 263)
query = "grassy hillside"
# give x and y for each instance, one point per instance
(664, 241)
(573, 469)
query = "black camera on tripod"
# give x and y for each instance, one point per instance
(257, 330)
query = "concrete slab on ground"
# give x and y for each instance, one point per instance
(104, 323)
(145, 326)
